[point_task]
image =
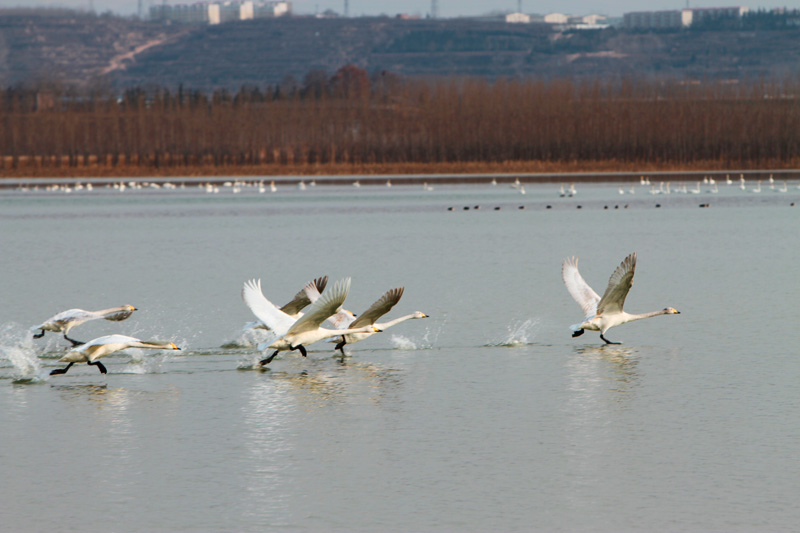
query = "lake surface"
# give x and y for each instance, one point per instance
(486, 416)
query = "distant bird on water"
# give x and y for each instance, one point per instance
(604, 313)
(66, 320)
(93, 350)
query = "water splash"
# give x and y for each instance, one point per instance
(249, 336)
(402, 343)
(520, 333)
(427, 341)
(16, 347)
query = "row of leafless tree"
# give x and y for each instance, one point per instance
(353, 119)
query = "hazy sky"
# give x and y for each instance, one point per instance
(447, 8)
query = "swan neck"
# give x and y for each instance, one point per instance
(640, 316)
(395, 321)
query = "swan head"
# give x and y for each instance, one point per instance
(164, 345)
(130, 308)
(376, 330)
(671, 311)
(420, 314)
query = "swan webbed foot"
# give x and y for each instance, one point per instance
(269, 359)
(38, 335)
(100, 366)
(73, 341)
(608, 341)
(302, 350)
(340, 346)
(61, 370)
(577, 333)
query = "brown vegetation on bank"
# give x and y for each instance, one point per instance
(350, 124)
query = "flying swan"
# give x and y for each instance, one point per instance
(300, 301)
(604, 313)
(66, 320)
(296, 334)
(93, 350)
(375, 311)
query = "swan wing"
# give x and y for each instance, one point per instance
(265, 311)
(119, 313)
(329, 303)
(580, 291)
(341, 319)
(379, 308)
(100, 347)
(301, 299)
(619, 284)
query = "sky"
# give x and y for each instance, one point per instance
(447, 8)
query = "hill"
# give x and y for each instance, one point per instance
(75, 48)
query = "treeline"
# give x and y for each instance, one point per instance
(352, 118)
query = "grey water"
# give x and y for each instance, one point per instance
(486, 416)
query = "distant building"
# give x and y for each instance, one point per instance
(518, 18)
(229, 11)
(187, 14)
(221, 11)
(680, 18)
(272, 9)
(556, 18)
(657, 19)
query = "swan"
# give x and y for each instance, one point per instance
(382, 306)
(757, 189)
(293, 308)
(93, 350)
(604, 313)
(296, 334)
(66, 320)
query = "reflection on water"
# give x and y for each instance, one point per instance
(616, 365)
(602, 383)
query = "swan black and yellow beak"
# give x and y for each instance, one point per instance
(376, 329)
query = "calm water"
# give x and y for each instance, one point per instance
(485, 416)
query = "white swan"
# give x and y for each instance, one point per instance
(93, 350)
(66, 320)
(294, 308)
(382, 306)
(604, 313)
(295, 335)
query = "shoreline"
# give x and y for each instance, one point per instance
(378, 174)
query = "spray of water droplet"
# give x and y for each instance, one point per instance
(520, 333)
(16, 347)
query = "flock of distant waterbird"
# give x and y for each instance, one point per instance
(298, 324)
(708, 185)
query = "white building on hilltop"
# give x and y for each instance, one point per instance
(219, 11)
(518, 18)
(681, 18)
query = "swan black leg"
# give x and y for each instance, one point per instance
(301, 348)
(340, 346)
(608, 341)
(577, 333)
(269, 359)
(61, 370)
(73, 341)
(38, 335)
(100, 366)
